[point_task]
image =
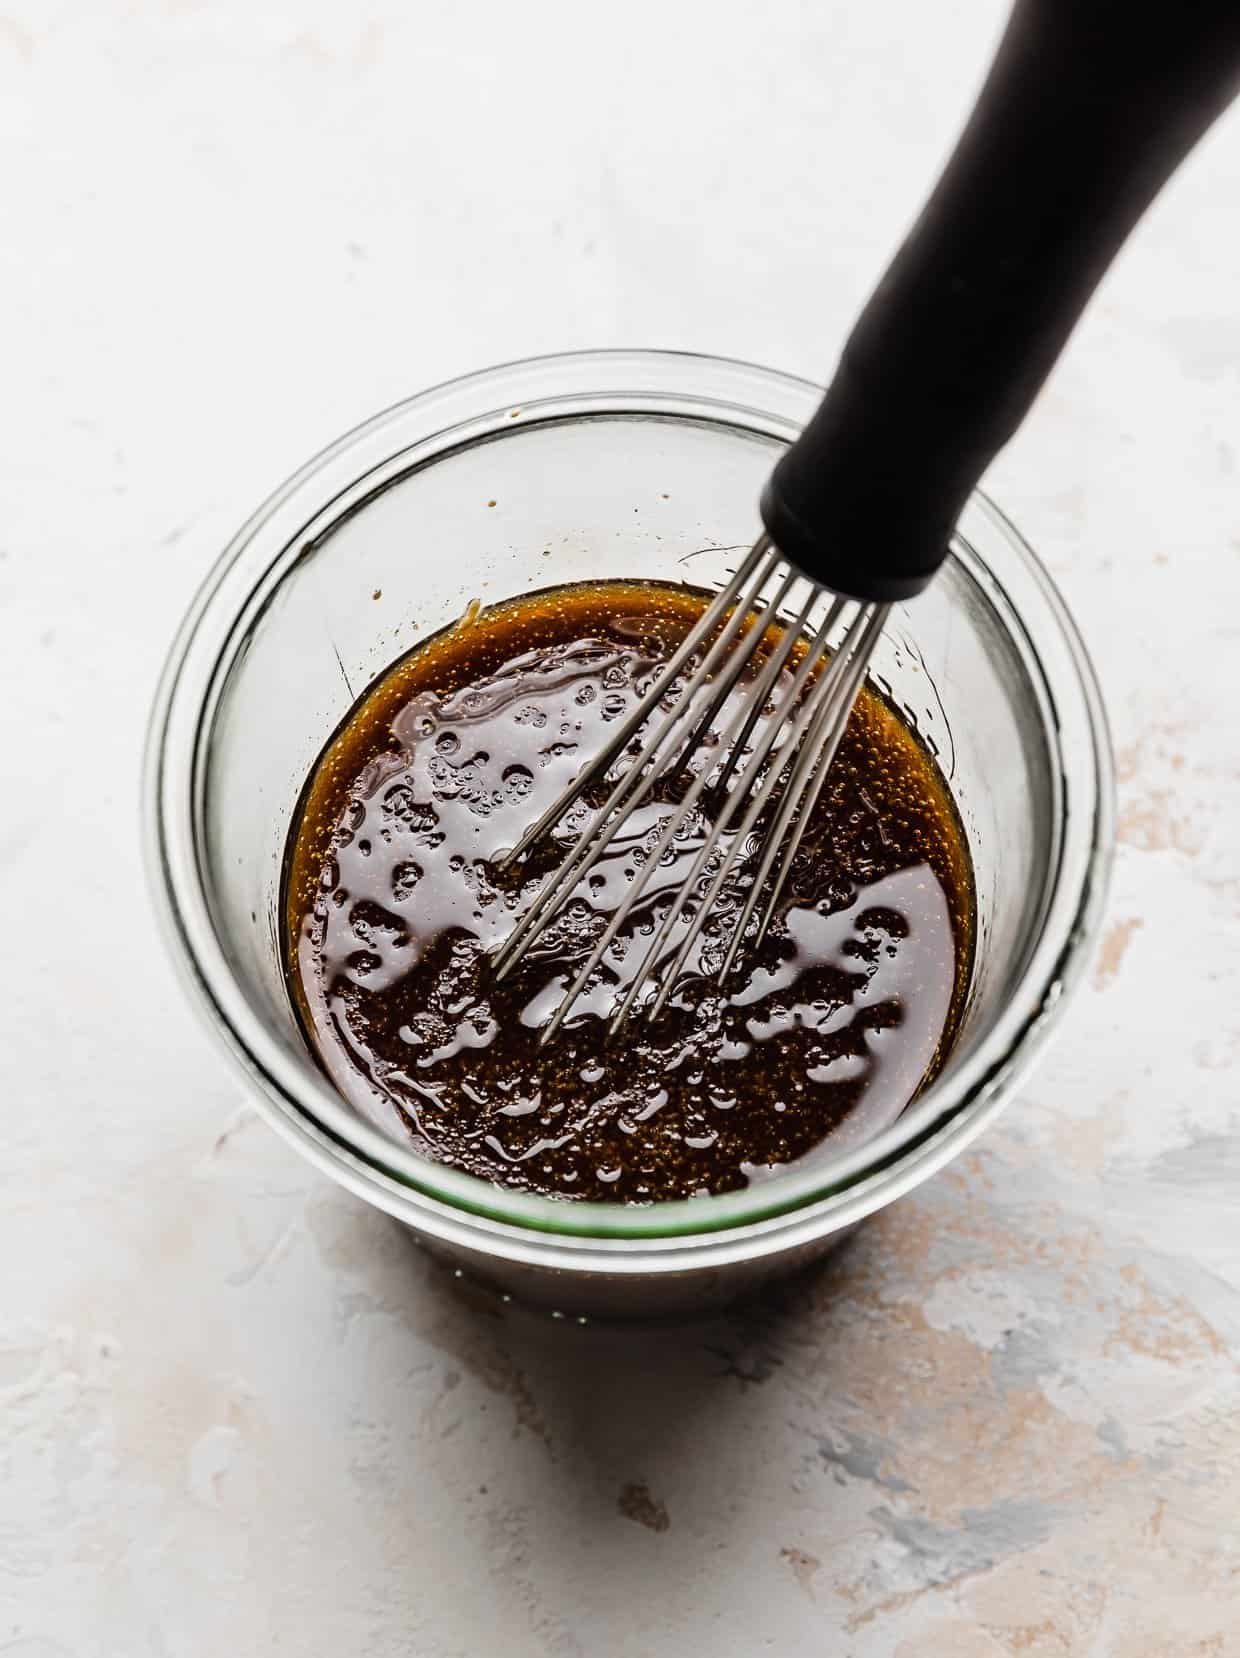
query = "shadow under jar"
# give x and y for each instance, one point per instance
(586, 468)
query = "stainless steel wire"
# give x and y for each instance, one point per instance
(782, 773)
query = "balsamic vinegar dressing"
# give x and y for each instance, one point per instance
(394, 901)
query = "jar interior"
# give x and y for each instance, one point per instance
(581, 497)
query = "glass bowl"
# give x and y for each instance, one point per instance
(570, 468)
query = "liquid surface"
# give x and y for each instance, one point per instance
(394, 903)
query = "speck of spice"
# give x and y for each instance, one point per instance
(490, 503)
(377, 594)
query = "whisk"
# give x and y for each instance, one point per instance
(1088, 107)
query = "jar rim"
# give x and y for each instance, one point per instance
(459, 1207)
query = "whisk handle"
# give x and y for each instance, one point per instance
(1088, 108)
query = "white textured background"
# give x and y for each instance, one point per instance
(239, 1418)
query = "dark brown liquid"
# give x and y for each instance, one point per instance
(395, 903)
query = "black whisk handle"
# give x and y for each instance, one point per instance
(1088, 108)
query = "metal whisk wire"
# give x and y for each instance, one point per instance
(815, 737)
(745, 716)
(760, 558)
(637, 781)
(805, 720)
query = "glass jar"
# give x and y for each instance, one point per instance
(570, 468)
